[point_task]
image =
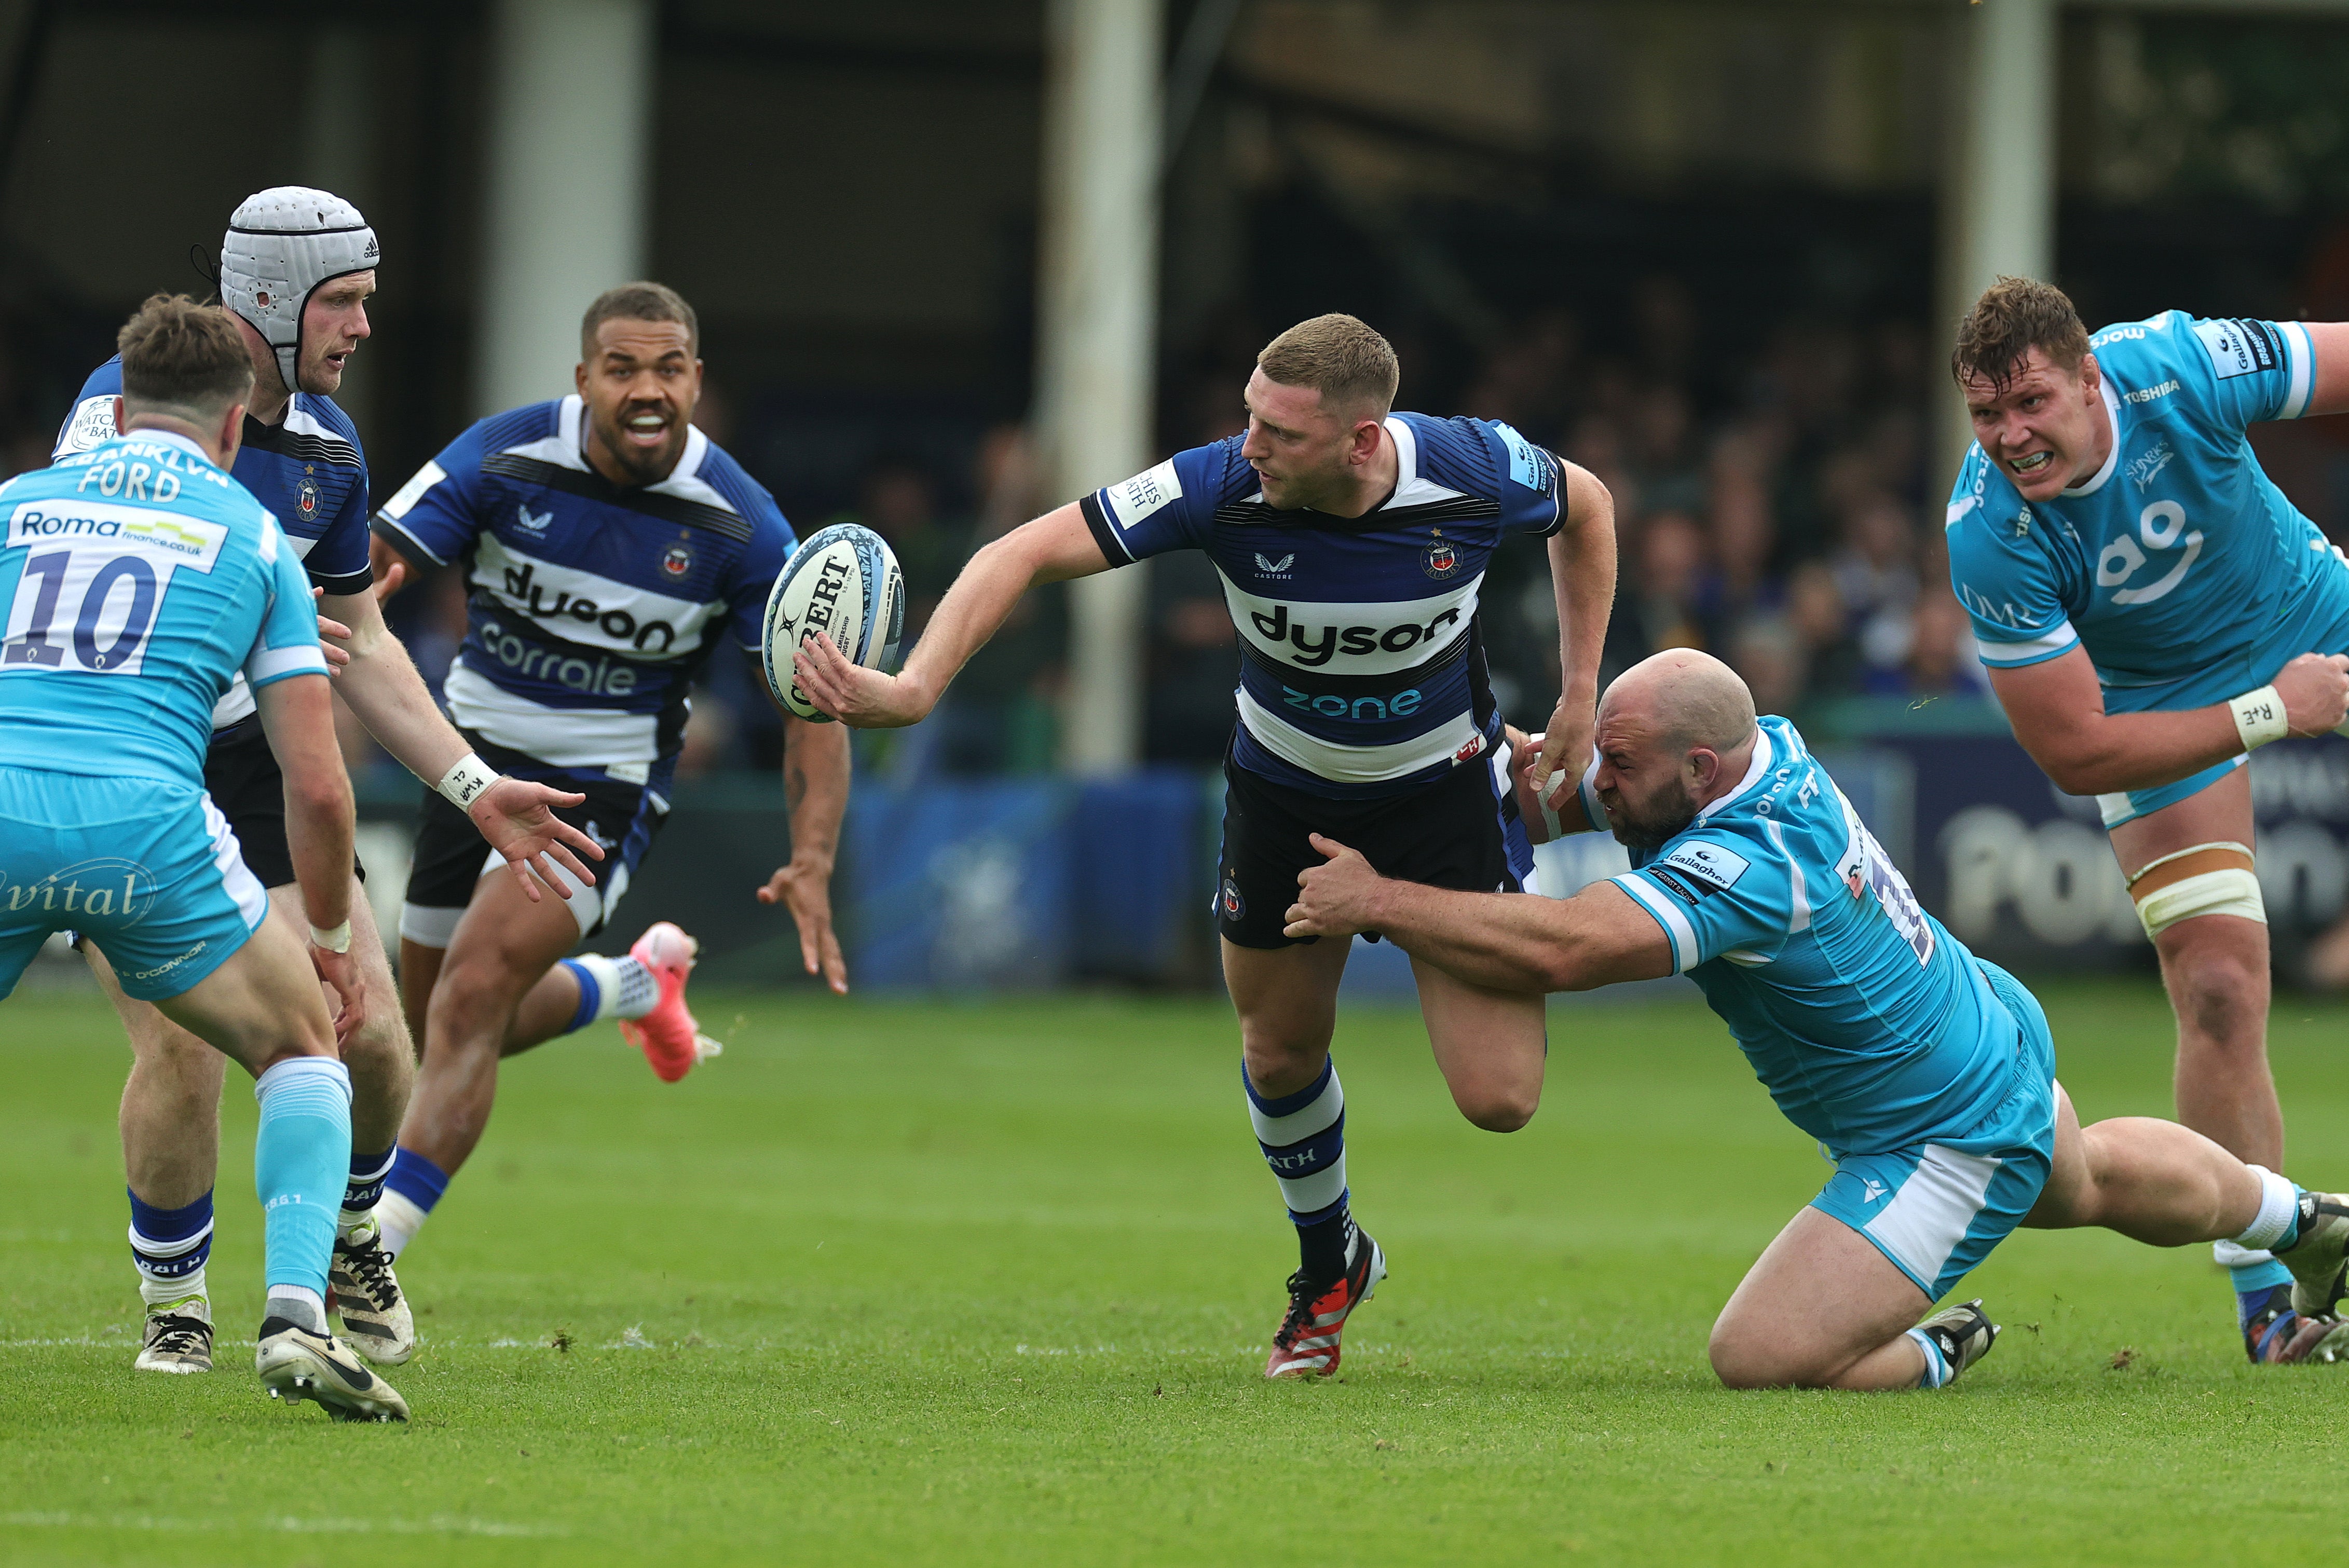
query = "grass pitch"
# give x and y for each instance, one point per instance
(993, 1283)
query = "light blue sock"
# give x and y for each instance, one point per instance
(300, 1160)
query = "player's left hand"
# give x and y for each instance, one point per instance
(333, 637)
(805, 891)
(341, 974)
(1335, 899)
(518, 819)
(1565, 749)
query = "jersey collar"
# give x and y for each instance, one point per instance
(171, 438)
(1764, 756)
(571, 442)
(2112, 458)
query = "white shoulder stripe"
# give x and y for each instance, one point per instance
(1675, 924)
(2302, 354)
(2027, 650)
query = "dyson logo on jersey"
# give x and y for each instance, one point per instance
(1319, 645)
(522, 588)
(602, 678)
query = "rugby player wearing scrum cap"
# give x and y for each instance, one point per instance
(297, 266)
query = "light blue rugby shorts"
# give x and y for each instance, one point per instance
(149, 871)
(2129, 805)
(1937, 1207)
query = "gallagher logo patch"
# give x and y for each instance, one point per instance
(1708, 863)
(675, 561)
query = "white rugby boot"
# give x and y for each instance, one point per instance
(178, 1338)
(296, 1364)
(2316, 1255)
(363, 1291)
(1965, 1334)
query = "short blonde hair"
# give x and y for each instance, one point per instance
(1340, 357)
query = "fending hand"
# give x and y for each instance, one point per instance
(517, 817)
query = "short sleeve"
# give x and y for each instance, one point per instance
(1169, 507)
(92, 418)
(2240, 370)
(432, 517)
(772, 544)
(1716, 898)
(1533, 495)
(287, 644)
(339, 561)
(2000, 571)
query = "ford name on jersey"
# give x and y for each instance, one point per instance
(2180, 568)
(1361, 671)
(1866, 1019)
(308, 470)
(591, 605)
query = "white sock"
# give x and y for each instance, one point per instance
(398, 1218)
(297, 1305)
(162, 1292)
(2278, 1206)
(625, 988)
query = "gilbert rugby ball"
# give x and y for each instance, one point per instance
(843, 581)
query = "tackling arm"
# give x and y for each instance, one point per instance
(2057, 710)
(1054, 549)
(1506, 942)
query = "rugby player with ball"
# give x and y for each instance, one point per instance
(609, 547)
(1352, 542)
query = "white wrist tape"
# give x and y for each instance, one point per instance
(1541, 782)
(337, 940)
(2258, 718)
(462, 785)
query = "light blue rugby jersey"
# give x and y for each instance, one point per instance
(2180, 568)
(140, 578)
(309, 471)
(1870, 1025)
(1361, 667)
(592, 604)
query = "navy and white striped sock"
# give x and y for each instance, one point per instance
(1303, 1137)
(363, 1189)
(611, 988)
(169, 1247)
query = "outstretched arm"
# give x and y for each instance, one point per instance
(2057, 710)
(1052, 549)
(1507, 941)
(2330, 395)
(1582, 575)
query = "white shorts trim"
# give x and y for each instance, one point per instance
(1935, 1208)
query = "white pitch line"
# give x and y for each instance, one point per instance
(287, 1525)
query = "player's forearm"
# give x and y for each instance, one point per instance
(1582, 575)
(319, 818)
(1054, 549)
(2106, 753)
(1503, 942)
(381, 685)
(815, 789)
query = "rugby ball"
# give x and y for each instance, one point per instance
(844, 581)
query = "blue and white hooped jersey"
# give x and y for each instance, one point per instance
(310, 471)
(1870, 1025)
(2178, 566)
(592, 605)
(1362, 664)
(139, 580)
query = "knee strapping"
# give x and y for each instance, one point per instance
(2214, 879)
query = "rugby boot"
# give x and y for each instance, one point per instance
(179, 1337)
(1963, 1333)
(668, 1035)
(1307, 1344)
(2315, 1255)
(296, 1364)
(363, 1291)
(2276, 1335)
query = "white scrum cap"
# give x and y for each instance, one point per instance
(281, 245)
